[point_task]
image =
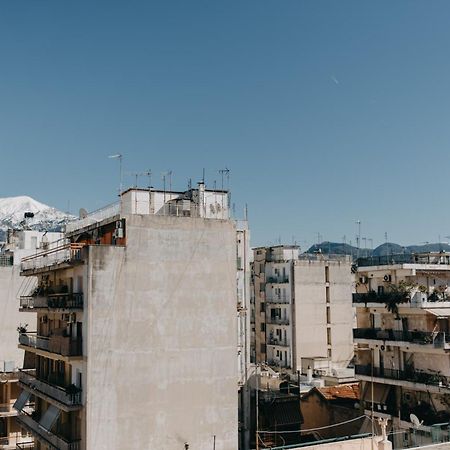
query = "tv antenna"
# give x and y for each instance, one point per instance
(136, 176)
(225, 172)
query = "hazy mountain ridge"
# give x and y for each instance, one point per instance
(388, 248)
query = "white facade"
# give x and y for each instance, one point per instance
(403, 311)
(301, 309)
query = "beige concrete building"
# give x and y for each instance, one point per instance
(135, 336)
(302, 313)
(19, 243)
(403, 310)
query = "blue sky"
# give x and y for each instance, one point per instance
(326, 112)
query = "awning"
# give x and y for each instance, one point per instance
(22, 400)
(439, 312)
(49, 418)
(380, 393)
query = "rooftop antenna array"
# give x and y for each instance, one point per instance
(225, 173)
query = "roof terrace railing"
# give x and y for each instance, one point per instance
(94, 217)
(68, 253)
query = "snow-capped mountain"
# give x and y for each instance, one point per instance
(12, 210)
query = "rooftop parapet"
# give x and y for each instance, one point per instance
(440, 258)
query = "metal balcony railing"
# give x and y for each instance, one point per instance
(25, 446)
(94, 217)
(279, 279)
(277, 300)
(279, 342)
(415, 258)
(48, 259)
(278, 320)
(414, 376)
(62, 345)
(62, 301)
(70, 396)
(6, 260)
(53, 439)
(438, 339)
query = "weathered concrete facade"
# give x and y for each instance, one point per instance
(136, 330)
(161, 345)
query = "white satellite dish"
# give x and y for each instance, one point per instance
(83, 213)
(415, 420)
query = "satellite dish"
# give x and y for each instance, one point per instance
(83, 213)
(415, 420)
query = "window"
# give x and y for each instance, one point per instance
(262, 306)
(329, 353)
(263, 348)
(327, 294)
(327, 274)
(380, 290)
(329, 336)
(263, 327)
(328, 315)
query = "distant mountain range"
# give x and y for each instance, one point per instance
(389, 248)
(42, 217)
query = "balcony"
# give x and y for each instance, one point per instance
(69, 396)
(62, 345)
(414, 376)
(25, 446)
(436, 339)
(42, 435)
(54, 258)
(278, 342)
(59, 301)
(277, 300)
(277, 280)
(278, 320)
(16, 440)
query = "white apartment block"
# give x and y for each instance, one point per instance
(135, 332)
(302, 312)
(403, 310)
(19, 243)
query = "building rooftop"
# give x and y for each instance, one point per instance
(340, 392)
(437, 258)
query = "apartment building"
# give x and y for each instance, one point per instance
(19, 243)
(301, 311)
(403, 310)
(136, 320)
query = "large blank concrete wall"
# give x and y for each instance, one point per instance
(310, 310)
(10, 317)
(162, 337)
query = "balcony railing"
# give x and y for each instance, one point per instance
(277, 300)
(62, 345)
(25, 446)
(279, 342)
(415, 258)
(70, 396)
(56, 441)
(414, 376)
(278, 321)
(438, 339)
(68, 253)
(6, 260)
(94, 217)
(62, 301)
(18, 440)
(279, 279)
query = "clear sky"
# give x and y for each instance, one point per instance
(325, 111)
